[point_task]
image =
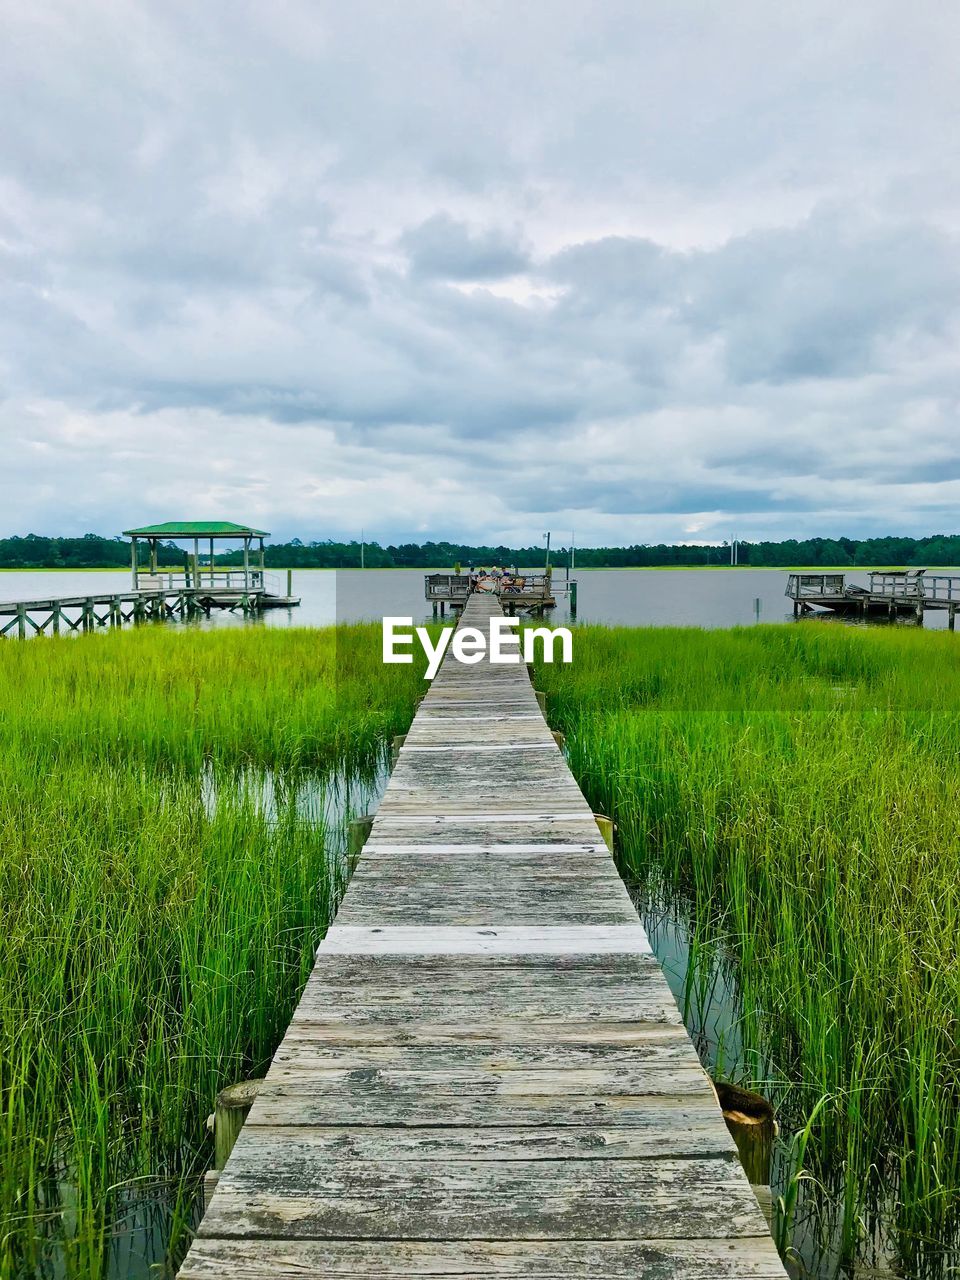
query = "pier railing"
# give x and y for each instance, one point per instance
(457, 586)
(903, 585)
(219, 580)
(942, 587)
(447, 586)
(800, 585)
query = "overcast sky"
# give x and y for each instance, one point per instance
(649, 270)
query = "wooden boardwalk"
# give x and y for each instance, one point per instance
(487, 1074)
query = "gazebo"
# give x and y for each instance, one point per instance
(194, 575)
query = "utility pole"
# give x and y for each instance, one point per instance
(361, 549)
(547, 565)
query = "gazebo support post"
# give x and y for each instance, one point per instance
(133, 562)
(246, 564)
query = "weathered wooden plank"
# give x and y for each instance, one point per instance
(440, 733)
(426, 865)
(252, 1259)
(299, 1099)
(285, 1194)
(577, 856)
(438, 906)
(453, 752)
(693, 1130)
(503, 940)
(457, 891)
(649, 1046)
(547, 823)
(541, 1032)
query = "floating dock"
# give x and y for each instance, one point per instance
(891, 594)
(487, 1075)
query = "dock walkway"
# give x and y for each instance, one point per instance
(487, 1074)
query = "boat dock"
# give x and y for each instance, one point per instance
(487, 1074)
(166, 597)
(517, 593)
(196, 589)
(891, 594)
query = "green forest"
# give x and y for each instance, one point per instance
(94, 552)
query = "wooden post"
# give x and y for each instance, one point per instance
(88, 622)
(573, 597)
(22, 621)
(232, 1108)
(559, 738)
(56, 617)
(541, 701)
(246, 563)
(395, 746)
(263, 563)
(750, 1120)
(952, 617)
(290, 583)
(357, 833)
(133, 561)
(606, 827)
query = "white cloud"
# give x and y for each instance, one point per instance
(470, 270)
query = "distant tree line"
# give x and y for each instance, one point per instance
(94, 552)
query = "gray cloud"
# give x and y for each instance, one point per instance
(450, 250)
(457, 272)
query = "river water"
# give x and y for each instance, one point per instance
(626, 597)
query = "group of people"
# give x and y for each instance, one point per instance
(497, 579)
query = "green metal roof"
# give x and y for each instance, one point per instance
(196, 529)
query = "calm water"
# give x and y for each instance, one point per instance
(630, 597)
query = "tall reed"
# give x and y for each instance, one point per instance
(159, 918)
(798, 787)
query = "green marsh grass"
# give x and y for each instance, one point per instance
(155, 940)
(796, 787)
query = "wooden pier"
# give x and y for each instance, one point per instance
(891, 594)
(487, 1074)
(517, 593)
(58, 615)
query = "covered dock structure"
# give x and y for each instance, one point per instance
(247, 586)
